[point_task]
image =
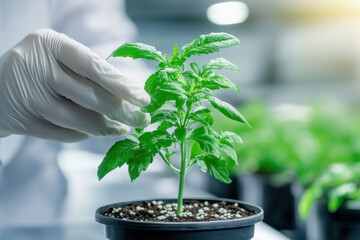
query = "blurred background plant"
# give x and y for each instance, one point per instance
(331, 203)
(294, 142)
(288, 144)
(338, 185)
(335, 134)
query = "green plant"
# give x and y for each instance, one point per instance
(332, 138)
(178, 99)
(271, 146)
(300, 142)
(338, 184)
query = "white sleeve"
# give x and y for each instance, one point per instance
(9, 146)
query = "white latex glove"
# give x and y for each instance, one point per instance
(53, 87)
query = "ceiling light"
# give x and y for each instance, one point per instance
(228, 13)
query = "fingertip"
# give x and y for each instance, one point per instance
(139, 98)
(146, 121)
(145, 100)
(124, 130)
(119, 129)
(136, 94)
(142, 120)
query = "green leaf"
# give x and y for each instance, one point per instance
(203, 94)
(308, 199)
(179, 103)
(157, 86)
(219, 63)
(205, 120)
(154, 81)
(227, 109)
(156, 102)
(172, 91)
(354, 195)
(156, 139)
(228, 152)
(338, 194)
(202, 165)
(203, 116)
(165, 115)
(200, 131)
(139, 131)
(139, 162)
(200, 110)
(231, 137)
(160, 97)
(217, 81)
(175, 52)
(206, 141)
(117, 155)
(165, 81)
(138, 50)
(195, 67)
(165, 125)
(180, 133)
(196, 150)
(210, 43)
(191, 77)
(216, 167)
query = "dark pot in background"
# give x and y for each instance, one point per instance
(300, 225)
(277, 201)
(236, 229)
(223, 190)
(343, 224)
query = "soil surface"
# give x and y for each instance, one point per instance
(193, 211)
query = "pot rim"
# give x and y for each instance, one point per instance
(175, 226)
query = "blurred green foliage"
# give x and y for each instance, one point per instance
(338, 184)
(335, 130)
(294, 142)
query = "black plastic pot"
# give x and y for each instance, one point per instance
(223, 190)
(236, 229)
(277, 201)
(300, 225)
(343, 224)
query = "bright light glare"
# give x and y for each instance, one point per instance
(228, 13)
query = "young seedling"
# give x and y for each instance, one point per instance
(179, 101)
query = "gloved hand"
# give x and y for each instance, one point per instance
(54, 88)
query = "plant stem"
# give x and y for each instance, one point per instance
(168, 163)
(182, 178)
(183, 164)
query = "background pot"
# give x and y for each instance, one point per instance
(276, 200)
(236, 229)
(260, 190)
(300, 225)
(223, 190)
(343, 224)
